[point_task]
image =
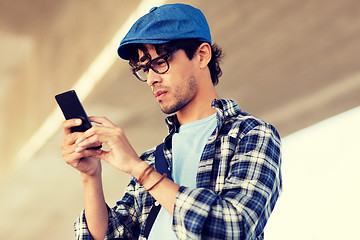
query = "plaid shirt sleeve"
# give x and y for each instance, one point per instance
(243, 185)
(123, 219)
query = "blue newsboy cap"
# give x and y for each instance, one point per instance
(164, 24)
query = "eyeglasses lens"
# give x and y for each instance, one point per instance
(159, 65)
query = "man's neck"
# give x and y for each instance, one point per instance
(197, 109)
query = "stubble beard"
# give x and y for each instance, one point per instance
(182, 96)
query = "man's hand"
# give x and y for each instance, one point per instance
(82, 161)
(121, 154)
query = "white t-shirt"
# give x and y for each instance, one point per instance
(187, 147)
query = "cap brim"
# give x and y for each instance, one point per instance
(127, 49)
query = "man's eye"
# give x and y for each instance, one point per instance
(143, 69)
(160, 63)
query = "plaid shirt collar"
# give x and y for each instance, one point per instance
(226, 108)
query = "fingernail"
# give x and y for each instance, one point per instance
(78, 121)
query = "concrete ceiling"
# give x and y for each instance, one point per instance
(292, 63)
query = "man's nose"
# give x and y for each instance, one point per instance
(153, 77)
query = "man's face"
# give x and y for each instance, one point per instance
(176, 88)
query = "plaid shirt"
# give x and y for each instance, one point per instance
(238, 184)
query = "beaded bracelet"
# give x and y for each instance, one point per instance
(162, 177)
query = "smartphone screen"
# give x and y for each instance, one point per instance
(72, 108)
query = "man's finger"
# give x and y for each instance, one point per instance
(102, 120)
(68, 124)
(71, 138)
(89, 141)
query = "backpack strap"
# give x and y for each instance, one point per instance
(162, 167)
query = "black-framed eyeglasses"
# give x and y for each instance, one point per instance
(159, 65)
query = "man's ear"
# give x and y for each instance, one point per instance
(204, 53)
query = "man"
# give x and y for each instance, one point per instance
(225, 164)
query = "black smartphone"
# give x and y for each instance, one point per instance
(72, 108)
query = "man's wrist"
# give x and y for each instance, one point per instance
(139, 169)
(94, 176)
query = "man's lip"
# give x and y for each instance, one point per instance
(159, 93)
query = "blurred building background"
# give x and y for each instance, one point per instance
(291, 63)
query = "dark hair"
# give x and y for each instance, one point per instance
(189, 46)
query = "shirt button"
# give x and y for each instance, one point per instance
(153, 9)
(156, 203)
